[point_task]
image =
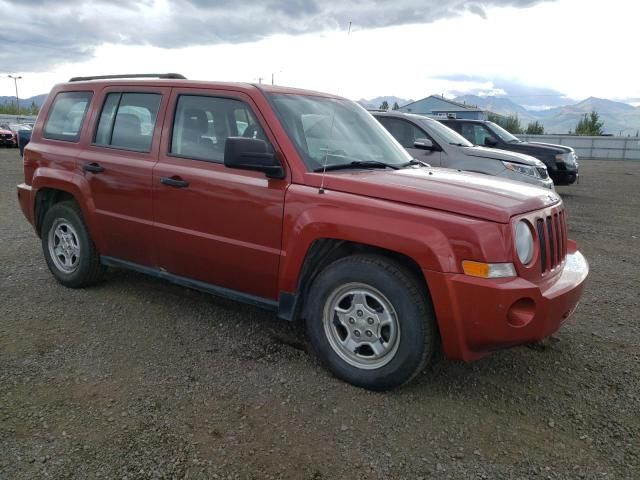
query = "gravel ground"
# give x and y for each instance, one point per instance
(137, 378)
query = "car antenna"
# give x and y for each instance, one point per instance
(333, 117)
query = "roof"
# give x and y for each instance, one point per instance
(456, 106)
(184, 83)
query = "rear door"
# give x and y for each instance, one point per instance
(216, 225)
(406, 133)
(118, 165)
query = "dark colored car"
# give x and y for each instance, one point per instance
(303, 204)
(24, 137)
(561, 161)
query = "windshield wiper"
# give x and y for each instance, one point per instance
(458, 144)
(415, 162)
(356, 164)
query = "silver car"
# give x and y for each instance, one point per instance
(430, 141)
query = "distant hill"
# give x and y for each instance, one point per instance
(617, 116)
(376, 102)
(495, 104)
(25, 102)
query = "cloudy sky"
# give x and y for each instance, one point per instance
(538, 52)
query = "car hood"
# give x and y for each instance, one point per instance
(548, 146)
(4, 131)
(465, 193)
(498, 154)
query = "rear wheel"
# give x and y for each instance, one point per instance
(68, 249)
(370, 322)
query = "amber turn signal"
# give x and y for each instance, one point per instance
(488, 270)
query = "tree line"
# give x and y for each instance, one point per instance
(10, 108)
(590, 124)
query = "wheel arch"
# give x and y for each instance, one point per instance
(45, 198)
(324, 251)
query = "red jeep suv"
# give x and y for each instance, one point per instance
(298, 202)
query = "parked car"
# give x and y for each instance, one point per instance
(314, 212)
(24, 137)
(7, 137)
(561, 161)
(428, 140)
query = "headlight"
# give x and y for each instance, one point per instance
(524, 242)
(569, 158)
(523, 169)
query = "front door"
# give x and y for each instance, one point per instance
(118, 165)
(216, 225)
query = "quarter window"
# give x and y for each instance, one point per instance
(202, 124)
(67, 116)
(128, 120)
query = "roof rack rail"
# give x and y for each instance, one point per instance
(130, 75)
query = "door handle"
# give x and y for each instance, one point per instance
(93, 167)
(174, 182)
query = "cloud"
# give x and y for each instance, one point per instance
(43, 33)
(531, 96)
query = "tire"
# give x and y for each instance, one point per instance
(68, 249)
(383, 345)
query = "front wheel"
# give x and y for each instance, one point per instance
(370, 322)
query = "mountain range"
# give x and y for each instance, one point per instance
(25, 102)
(617, 116)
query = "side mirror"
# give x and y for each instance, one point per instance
(423, 144)
(251, 154)
(490, 142)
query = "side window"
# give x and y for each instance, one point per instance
(127, 121)
(452, 125)
(404, 132)
(67, 116)
(475, 133)
(202, 124)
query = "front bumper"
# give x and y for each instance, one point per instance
(477, 316)
(566, 177)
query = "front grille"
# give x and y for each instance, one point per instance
(552, 237)
(543, 172)
(5, 136)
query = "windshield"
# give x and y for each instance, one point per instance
(446, 134)
(335, 131)
(502, 133)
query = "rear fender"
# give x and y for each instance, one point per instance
(74, 184)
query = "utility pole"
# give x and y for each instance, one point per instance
(273, 77)
(15, 82)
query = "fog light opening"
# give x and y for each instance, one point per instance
(521, 312)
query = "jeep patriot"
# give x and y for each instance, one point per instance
(301, 203)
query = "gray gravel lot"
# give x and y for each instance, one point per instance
(137, 378)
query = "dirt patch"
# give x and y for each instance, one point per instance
(137, 378)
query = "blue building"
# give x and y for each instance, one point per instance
(437, 105)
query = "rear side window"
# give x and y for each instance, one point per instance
(128, 120)
(67, 116)
(202, 124)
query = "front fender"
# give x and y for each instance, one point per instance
(434, 239)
